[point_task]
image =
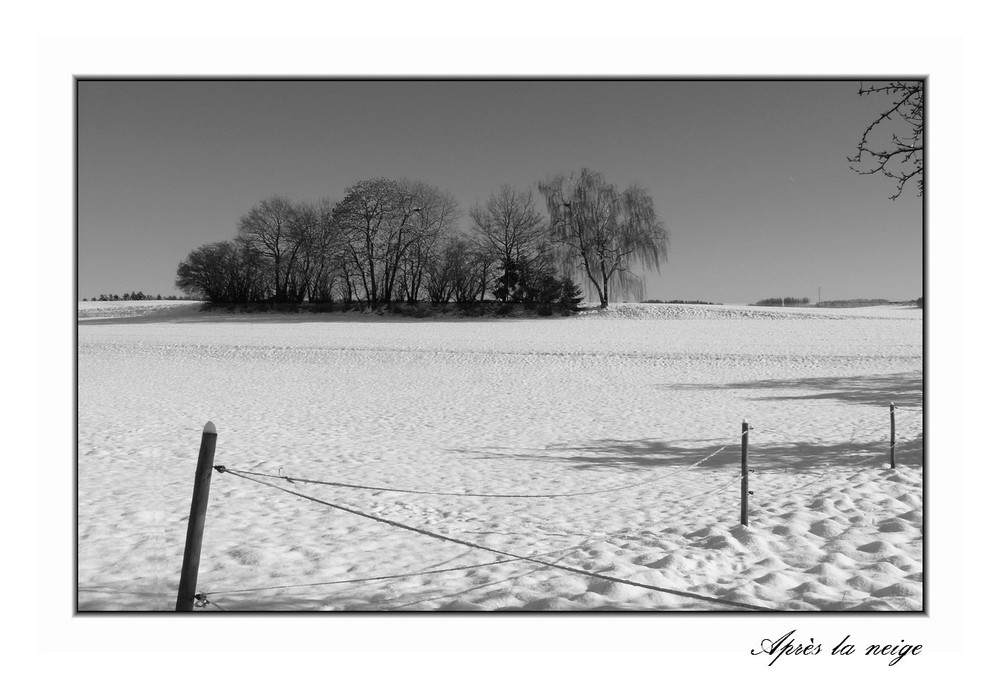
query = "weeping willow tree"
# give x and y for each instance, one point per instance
(606, 232)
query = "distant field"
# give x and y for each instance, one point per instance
(130, 309)
(859, 303)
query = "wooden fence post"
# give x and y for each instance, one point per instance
(746, 476)
(196, 522)
(892, 435)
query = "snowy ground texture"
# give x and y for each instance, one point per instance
(622, 427)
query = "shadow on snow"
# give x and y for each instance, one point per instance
(905, 389)
(652, 454)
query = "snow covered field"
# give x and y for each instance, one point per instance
(627, 422)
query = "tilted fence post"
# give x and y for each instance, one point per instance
(892, 435)
(196, 522)
(744, 520)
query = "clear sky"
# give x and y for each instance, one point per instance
(750, 178)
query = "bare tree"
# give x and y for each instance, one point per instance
(404, 230)
(456, 271)
(510, 229)
(320, 246)
(442, 268)
(471, 273)
(223, 272)
(366, 216)
(300, 257)
(604, 231)
(203, 273)
(437, 217)
(893, 144)
(386, 221)
(268, 230)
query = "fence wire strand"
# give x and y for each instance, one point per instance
(388, 489)
(495, 551)
(507, 557)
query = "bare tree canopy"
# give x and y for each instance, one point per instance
(316, 269)
(508, 222)
(385, 223)
(437, 217)
(223, 272)
(604, 231)
(457, 271)
(267, 230)
(893, 144)
(510, 230)
(203, 273)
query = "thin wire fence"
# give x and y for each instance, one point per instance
(388, 489)
(497, 551)
(543, 559)
(387, 577)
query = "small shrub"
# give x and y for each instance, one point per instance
(320, 307)
(469, 308)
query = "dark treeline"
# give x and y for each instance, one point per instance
(783, 301)
(133, 296)
(681, 301)
(400, 241)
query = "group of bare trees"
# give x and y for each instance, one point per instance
(391, 233)
(398, 240)
(373, 246)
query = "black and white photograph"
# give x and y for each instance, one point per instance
(553, 344)
(549, 344)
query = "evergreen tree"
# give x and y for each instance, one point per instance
(570, 294)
